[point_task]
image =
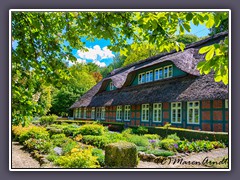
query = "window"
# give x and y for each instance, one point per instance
(79, 113)
(76, 113)
(149, 76)
(226, 103)
(176, 112)
(98, 113)
(102, 113)
(168, 71)
(158, 74)
(193, 112)
(119, 113)
(157, 112)
(145, 112)
(111, 86)
(85, 113)
(127, 113)
(141, 78)
(93, 113)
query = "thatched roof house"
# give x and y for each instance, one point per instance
(162, 79)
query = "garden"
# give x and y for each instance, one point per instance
(90, 145)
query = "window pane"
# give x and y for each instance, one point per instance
(160, 74)
(190, 115)
(170, 71)
(156, 74)
(196, 115)
(151, 76)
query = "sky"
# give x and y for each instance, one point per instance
(99, 53)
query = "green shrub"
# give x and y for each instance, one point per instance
(35, 133)
(70, 130)
(158, 152)
(42, 145)
(78, 159)
(138, 140)
(168, 144)
(18, 130)
(140, 130)
(68, 144)
(174, 137)
(100, 156)
(90, 129)
(142, 148)
(53, 130)
(46, 120)
(152, 136)
(114, 137)
(98, 141)
(121, 155)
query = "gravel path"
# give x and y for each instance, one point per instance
(22, 159)
(194, 160)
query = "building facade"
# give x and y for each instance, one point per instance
(160, 89)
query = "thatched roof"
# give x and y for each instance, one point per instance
(191, 87)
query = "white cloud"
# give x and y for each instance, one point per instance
(96, 54)
(82, 61)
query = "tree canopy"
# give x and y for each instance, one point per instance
(45, 41)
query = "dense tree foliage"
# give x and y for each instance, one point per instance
(45, 41)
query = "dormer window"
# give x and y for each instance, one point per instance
(141, 78)
(158, 74)
(111, 86)
(168, 71)
(149, 76)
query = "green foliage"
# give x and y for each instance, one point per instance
(98, 141)
(152, 136)
(42, 145)
(140, 130)
(121, 155)
(187, 38)
(90, 129)
(46, 120)
(216, 59)
(138, 140)
(168, 144)
(174, 137)
(142, 148)
(100, 156)
(78, 159)
(34, 132)
(67, 145)
(158, 152)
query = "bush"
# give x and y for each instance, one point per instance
(138, 140)
(98, 141)
(168, 144)
(70, 130)
(42, 145)
(78, 159)
(140, 130)
(67, 145)
(158, 152)
(142, 148)
(35, 133)
(100, 156)
(90, 129)
(53, 130)
(18, 130)
(46, 120)
(121, 155)
(152, 136)
(174, 137)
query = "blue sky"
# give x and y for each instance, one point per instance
(99, 54)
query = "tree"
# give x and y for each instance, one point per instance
(46, 39)
(187, 38)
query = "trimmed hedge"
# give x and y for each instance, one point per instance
(188, 134)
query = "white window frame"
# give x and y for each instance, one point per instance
(84, 113)
(145, 113)
(193, 112)
(156, 78)
(168, 72)
(111, 86)
(176, 106)
(98, 113)
(119, 113)
(79, 113)
(127, 112)
(226, 103)
(93, 113)
(148, 77)
(103, 113)
(158, 110)
(141, 80)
